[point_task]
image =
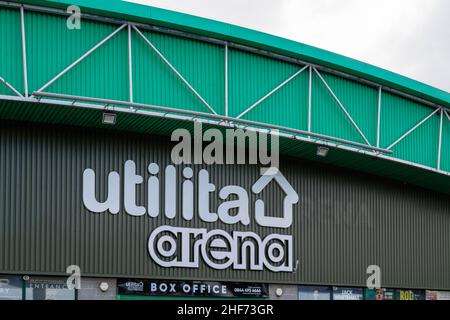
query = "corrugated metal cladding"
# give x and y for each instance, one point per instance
(51, 47)
(343, 223)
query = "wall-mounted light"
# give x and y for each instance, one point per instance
(103, 286)
(279, 292)
(322, 151)
(109, 118)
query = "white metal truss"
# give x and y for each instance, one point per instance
(440, 140)
(342, 107)
(195, 114)
(24, 50)
(310, 99)
(73, 64)
(281, 85)
(226, 80)
(10, 87)
(174, 70)
(413, 129)
(130, 64)
(448, 116)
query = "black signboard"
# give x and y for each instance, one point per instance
(133, 287)
(174, 288)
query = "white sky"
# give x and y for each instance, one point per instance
(410, 37)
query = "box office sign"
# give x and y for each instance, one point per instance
(191, 288)
(173, 246)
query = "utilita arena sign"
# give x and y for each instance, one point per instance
(172, 246)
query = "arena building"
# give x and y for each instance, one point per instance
(90, 95)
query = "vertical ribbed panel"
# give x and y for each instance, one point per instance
(360, 101)
(51, 47)
(10, 50)
(251, 77)
(343, 223)
(287, 107)
(201, 64)
(398, 116)
(445, 157)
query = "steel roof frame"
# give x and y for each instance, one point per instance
(373, 151)
(342, 107)
(413, 129)
(281, 85)
(107, 103)
(163, 58)
(229, 44)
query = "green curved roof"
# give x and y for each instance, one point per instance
(224, 31)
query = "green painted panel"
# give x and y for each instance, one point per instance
(201, 64)
(251, 77)
(398, 115)
(10, 50)
(103, 74)
(51, 47)
(445, 160)
(360, 101)
(287, 107)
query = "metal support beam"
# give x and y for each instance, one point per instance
(206, 116)
(24, 51)
(342, 107)
(10, 87)
(174, 70)
(273, 91)
(440, 140)
(446, 114)
(226, 79)
(412, 129)
(73, 64)
(310, 99)
(130, 64)
(379, 117)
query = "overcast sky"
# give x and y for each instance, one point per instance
(410, 37)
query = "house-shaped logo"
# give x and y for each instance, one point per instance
(291, 198)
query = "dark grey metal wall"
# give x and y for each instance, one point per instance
(343, 223)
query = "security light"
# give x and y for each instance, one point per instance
(109, 118)
(103, 286)
(279, 292)
(322, 151)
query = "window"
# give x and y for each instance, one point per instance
(48, 288)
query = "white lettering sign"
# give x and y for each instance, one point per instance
(182, 247)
